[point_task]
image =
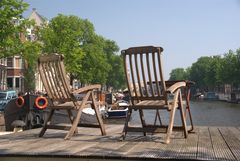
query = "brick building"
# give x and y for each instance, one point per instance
(12, 68)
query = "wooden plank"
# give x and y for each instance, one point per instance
(235, 131)
(205, 144)
(106, 149)
(232, 141)
(146, 149)
(221, 150)
(75, 148)
(189, 146)
(173, 149)
(205, 148)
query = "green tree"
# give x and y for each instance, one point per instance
(199, 71)
(230, 67)
(10, 29)
(178, 74)
(115, 77)
(88, 56)
(64, 35)
(95, 65)
(13, 37)
(30, 54)
(213, 69)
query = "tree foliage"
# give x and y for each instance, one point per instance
(13, 27)
(88, 57)
(210, 72)
(13, 37)
(178, 74)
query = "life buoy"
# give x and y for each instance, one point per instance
(41, 102)
(19, 101)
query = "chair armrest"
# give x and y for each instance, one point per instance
(87, 88)
(176, 86)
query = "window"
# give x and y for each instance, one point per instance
(10, 82)
(17, 82)
(10, 62)
(18, 62)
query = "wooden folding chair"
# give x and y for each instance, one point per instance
(147, 89)
(53, 76)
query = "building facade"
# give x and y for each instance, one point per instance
(3, 74)
(12, 68)
(15, 73)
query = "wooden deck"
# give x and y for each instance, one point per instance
(207, 143)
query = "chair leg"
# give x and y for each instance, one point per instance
(183, 117)
(70, 115)
(170, 126)
(191, 121)
(44, 128)
(172, 115)
(124, 132)
(157, 116)
(98, 115)
(142, 120)
(77, 118)
(187, 97)
(71, 118)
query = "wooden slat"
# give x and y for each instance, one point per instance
(138, 74)
(205, 149)
(163, 85)
(133, 77)
(155, 67)
(188, 146)
(173, 150)
(207, 143)
(127, 77)
(53, 80)
(63, 75)
(232, 141)
(143, 75)
(220, 147)
(49, 76)
(59, 82)
(149, 74)
(44, 79)
(235, 131)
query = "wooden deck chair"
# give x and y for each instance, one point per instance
(53, 76)
(147, 89)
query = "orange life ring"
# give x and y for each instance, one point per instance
(19, 101)
(41, 102)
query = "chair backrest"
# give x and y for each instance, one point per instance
(143, 68)
(53, 76)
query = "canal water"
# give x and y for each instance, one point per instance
(204, 113)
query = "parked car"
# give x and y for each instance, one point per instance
(5, 97)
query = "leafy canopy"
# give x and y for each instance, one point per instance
(13, 37)
(88, 56)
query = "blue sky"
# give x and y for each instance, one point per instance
(186, 29)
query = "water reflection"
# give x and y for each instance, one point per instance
(204, 113)
(215, 113)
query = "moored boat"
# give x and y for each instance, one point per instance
(117, 110)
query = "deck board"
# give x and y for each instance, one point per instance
(220, 147)
(189, 148)
(206, 143)
(232, 141)
(205, 148)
